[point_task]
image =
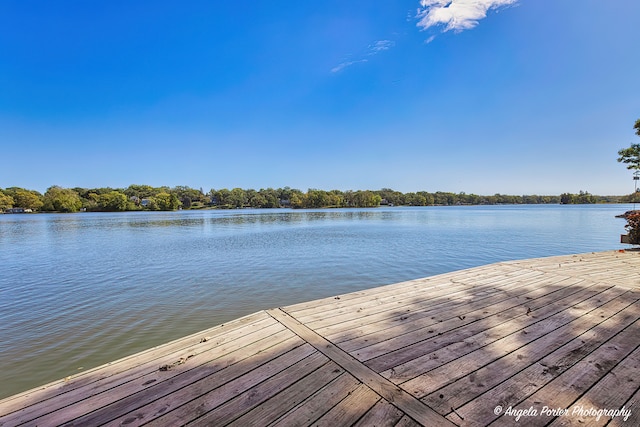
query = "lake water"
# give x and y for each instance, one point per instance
(80, 290)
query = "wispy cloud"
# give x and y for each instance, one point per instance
(380, 45)
(373, 49)
(346, 64)
(456, 15)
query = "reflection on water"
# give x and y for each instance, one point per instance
(80, 290)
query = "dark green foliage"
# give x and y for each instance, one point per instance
(166, 201)
(577, 199)
(6, 201)
(631, 156)
(631, 198)
(112, 201)
(22, 198)
(60, 199)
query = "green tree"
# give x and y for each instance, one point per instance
(392, 197)
(284, 194)
(567, 199)
(27, 199)
(271, 197)
(167, 202)
(99, 191)
(316, 199)
(296, 200)
(472, 199)
(256, 200)
(61, 200)
(371, 199)
(413, 199)
(250, 194)
(188, 195)
(140, 191)
(585, 198)
(362, 199)
(90, 201)
(294, 196)
(6, 201)
(631, 198)
(335, 198)
(573, 199)
(631, 156)
(112, 201)
(152, 204)
(237, 198)
(445, 199)
(220, 198)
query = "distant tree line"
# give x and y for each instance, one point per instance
(574, 199)
(146, 197)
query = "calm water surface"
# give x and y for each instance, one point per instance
(80, 290)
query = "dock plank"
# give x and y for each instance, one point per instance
(471, 278)
(308, 411)
(461, 342)
(272, 409)
(401, 346)
(541, 373)
(367, 330)
(611, 392)
(254, 396)
(447, 294)
(189, 403)
(506, 341)
(383, 387)
(349, 409)
(511, 352)
(563, 390)
(632, 405)
(382, 414)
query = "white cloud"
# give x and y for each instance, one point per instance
(380, 45)
(456, 15)
(373, 49)
(345, 64)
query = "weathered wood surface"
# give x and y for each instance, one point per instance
(560, 332)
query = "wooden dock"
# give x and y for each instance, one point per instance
(460, 348)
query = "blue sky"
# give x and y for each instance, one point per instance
(480, 96)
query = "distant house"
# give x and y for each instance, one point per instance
(17, 210)
(140, 202)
